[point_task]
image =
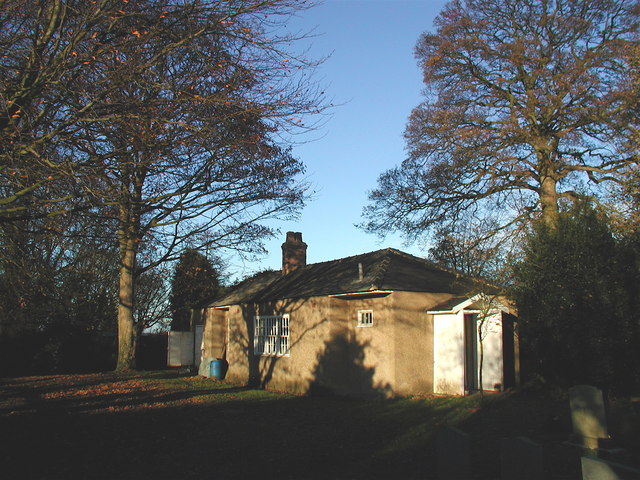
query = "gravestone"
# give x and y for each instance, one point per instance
(588, 415)
(452, 454)
(597, 469)
(521, 459)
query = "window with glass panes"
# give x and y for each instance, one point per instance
(271, 335)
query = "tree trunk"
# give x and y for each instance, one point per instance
(481, 359)
(549, 201)
(127, 332)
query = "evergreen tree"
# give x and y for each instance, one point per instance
(195, 279)
(575, 302)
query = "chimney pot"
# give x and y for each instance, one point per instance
(294, 252)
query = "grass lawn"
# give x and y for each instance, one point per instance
(156, 425)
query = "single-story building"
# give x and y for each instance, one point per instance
(380, 323)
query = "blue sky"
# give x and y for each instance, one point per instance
(373, 77)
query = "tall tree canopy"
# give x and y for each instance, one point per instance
(523, 102)
(170, 118)
(55, 54)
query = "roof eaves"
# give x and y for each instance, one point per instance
(365, 293)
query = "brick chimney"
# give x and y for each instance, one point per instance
(294, 252)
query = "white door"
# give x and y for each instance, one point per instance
(448, 353)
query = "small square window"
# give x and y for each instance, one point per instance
(365, 318)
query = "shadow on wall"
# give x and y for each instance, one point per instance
(261, 368)
(340, 365)
(341, 370)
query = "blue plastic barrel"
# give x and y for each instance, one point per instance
(218, 369)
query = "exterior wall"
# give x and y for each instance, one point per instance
(413, 337)
(214, 338)
(358, 360)
(328, 351)
(309, 328)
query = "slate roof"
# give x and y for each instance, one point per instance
(382, 270)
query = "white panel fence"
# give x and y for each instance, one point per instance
(184, 348)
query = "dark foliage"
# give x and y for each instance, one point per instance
(576, 294)
(58, 281)
(56, 350)
(152, 351)
(195, 280)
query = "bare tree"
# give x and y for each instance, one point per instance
(630, 124)
(472, 247)
(57, 273)
(173, 119)
(153, 307)
(53, 55)
(194, 151)
(522, 103)
(627, 196)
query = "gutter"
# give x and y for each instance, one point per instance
(370, 293)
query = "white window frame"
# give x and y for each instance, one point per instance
(271, 335)
(365, 318)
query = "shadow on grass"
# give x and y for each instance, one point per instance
(211, 433)
(189, 427)
(96, 392)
